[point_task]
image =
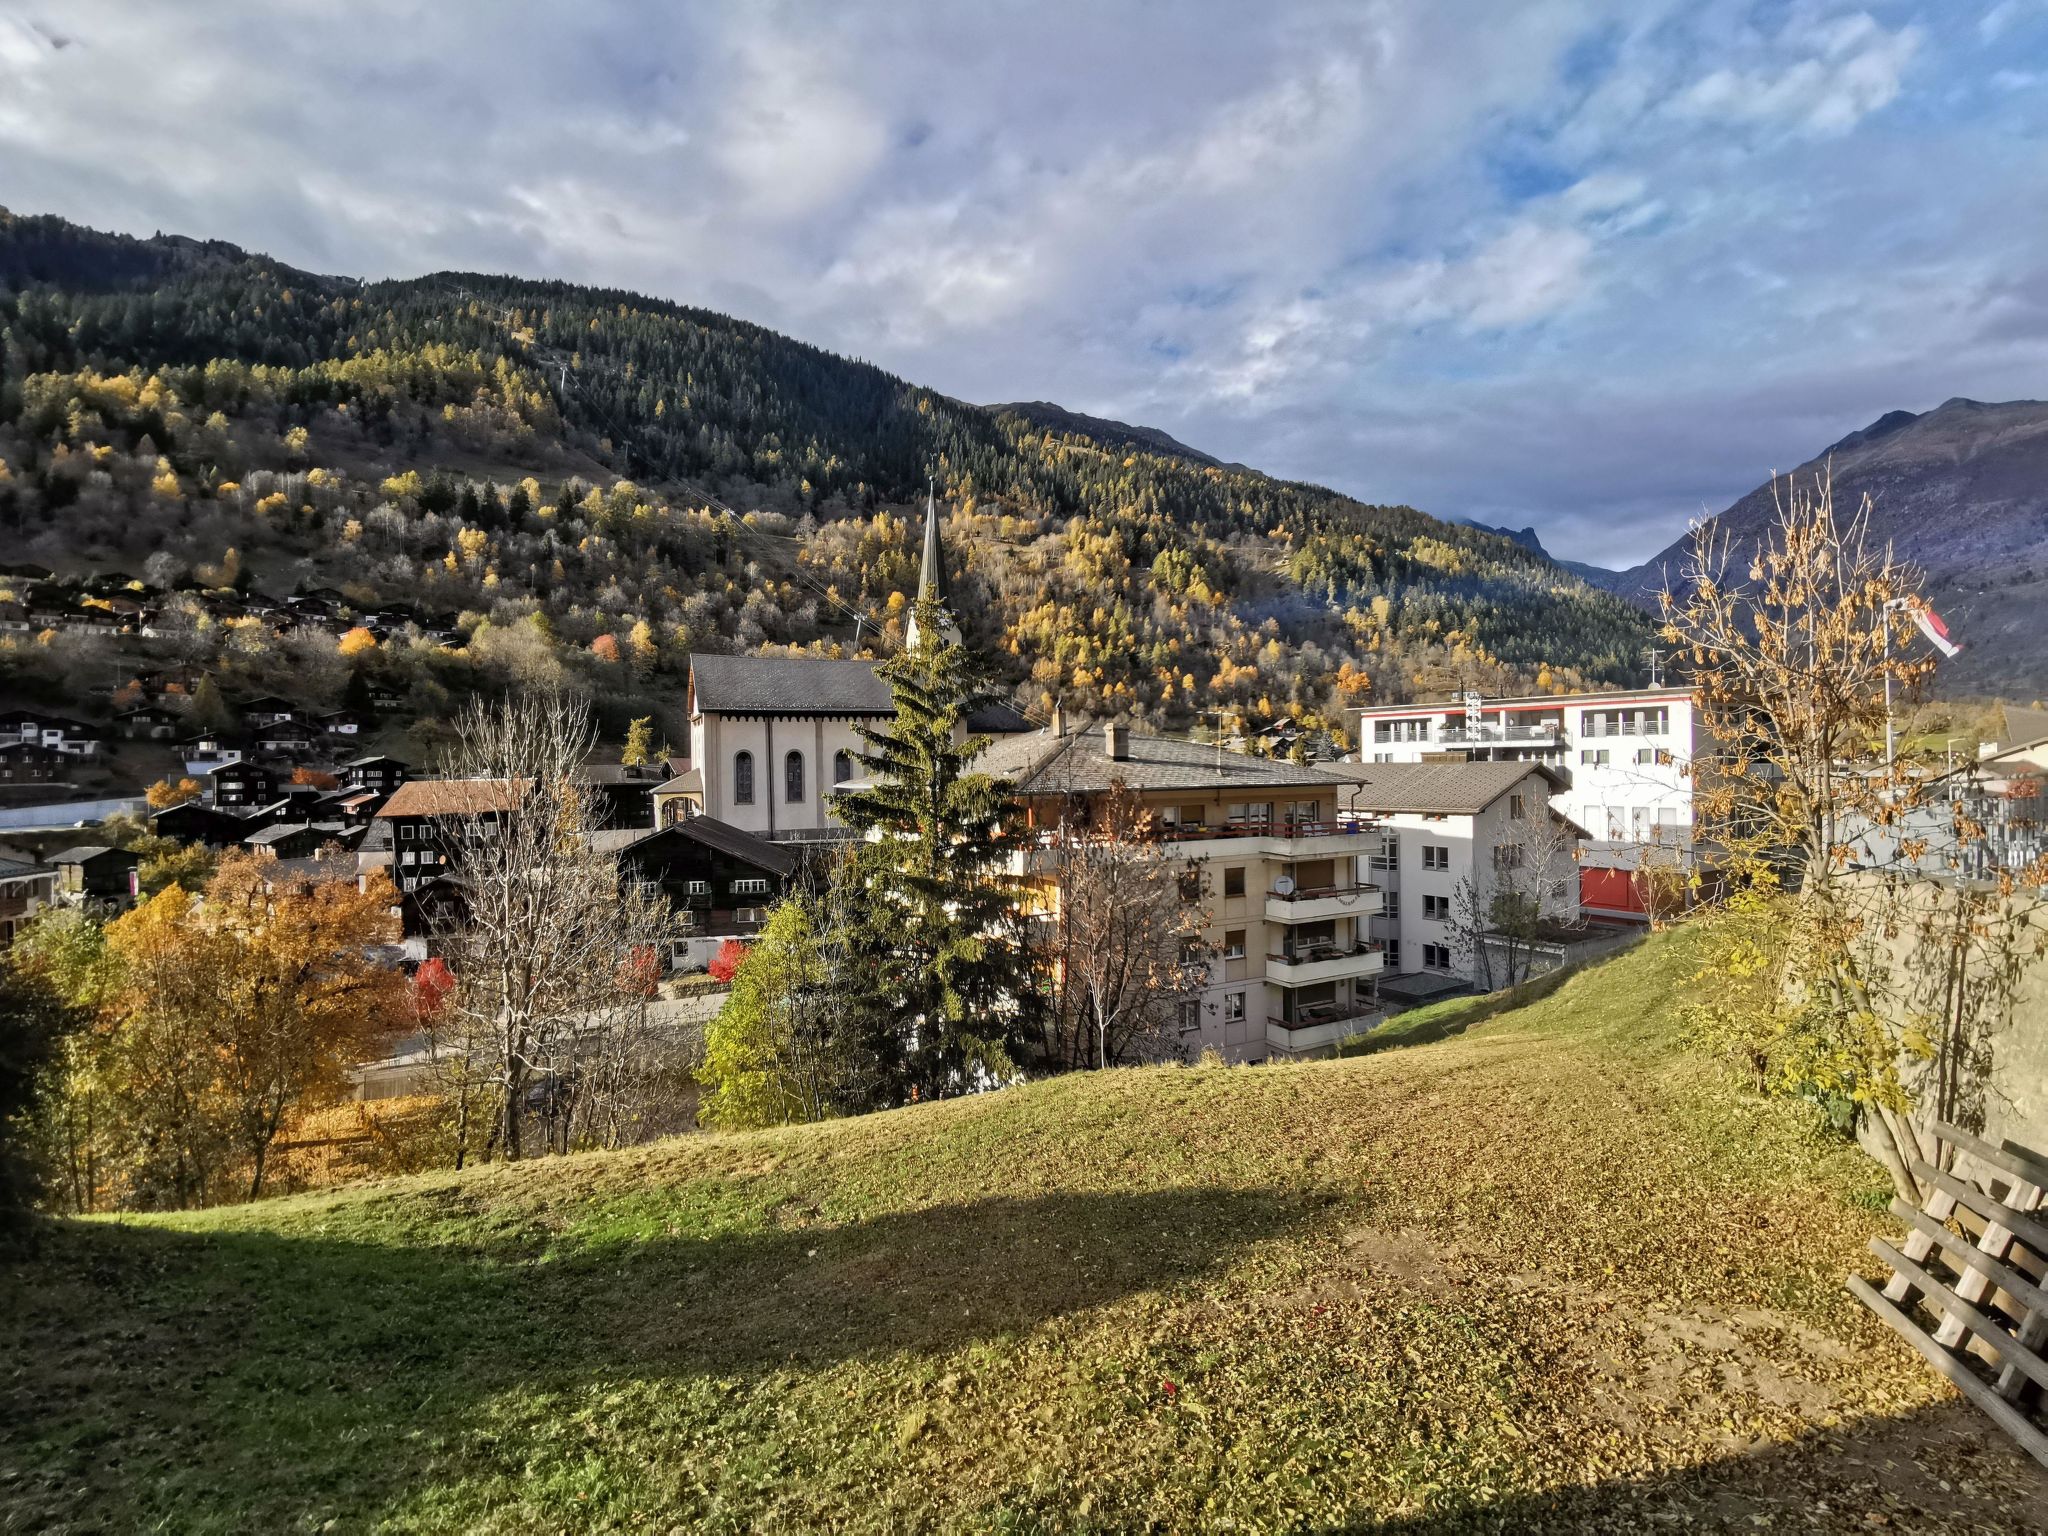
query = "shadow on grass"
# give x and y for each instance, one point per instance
(264, 1381)
(1938, 1469)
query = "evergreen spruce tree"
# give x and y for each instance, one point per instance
(925, 921)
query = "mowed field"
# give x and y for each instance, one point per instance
(1550, 1273)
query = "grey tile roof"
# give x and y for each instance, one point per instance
(15, 869)
(787, 685)
(1079, 762)
(688, 782)
(808, 686)
(80, 854)
(1433, 789)
(777, 858)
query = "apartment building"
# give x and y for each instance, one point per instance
(1442, 826)
(1295, 965)
(1625, 760)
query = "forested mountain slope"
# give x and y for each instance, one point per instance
(1962, 492)
(534, 458)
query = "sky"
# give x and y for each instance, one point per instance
(1595, 266)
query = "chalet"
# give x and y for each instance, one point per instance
(270, 710)
(287, 738)
(721, 881)
(242, 785)
(192, 821)
(619, 795)
(13, 617)
(94, 872)
(207, 751)
(295, 839)
(384, 699)
(29, 762)
(26, 887)
(150, 722)
(346, 723)
(430, 820)
(382, 774)
(59, 733)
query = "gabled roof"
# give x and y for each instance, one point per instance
(787, 685)
(447, 797)
(21, 869)
(1435, 789)
(734, 842)
(84, 853)
(689, 782)
(1044, 764)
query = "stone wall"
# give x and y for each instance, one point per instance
(1948, 953)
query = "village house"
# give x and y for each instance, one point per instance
(720, 880)
(30, 762)
(1296, 966)
(94, 872)
(193, 821)
(58, 733)
(26, 887)
(1447, 827)
(149, 722)
(240, 785)
(376, 773)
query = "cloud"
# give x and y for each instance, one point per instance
(1847, 68)
(1592, 264)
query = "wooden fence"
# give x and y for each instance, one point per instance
(1973, 1261)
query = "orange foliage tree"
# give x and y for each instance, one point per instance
(163, 793)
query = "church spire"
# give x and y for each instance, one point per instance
(931, 579)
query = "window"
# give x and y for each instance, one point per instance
(1393, 907)
(793, 778)
(1393, 954)
(743, 778)
(1192, 815)
(1617, 823)
(697, 888)
(1507, 856)
(1191, 952)
(842, 767)
(1255, 815)
(1645, 756)
(1400, 730)
(1233, 944)
(1436, 957)
(1190, 1017)
(1383, 757)
(1233, 1006)
(1593, 757)
(750, 887)
(1233, 882)
(1435, 856)
(1436, 908)
(1389, 854)
(1516, 807)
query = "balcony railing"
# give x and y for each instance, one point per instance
(1493, 735)
(1318, 1014)
(1330, 901)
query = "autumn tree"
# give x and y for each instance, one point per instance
(773, 1053)
(639, 748)
(1795, 647)
(163, 794)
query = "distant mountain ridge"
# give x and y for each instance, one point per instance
(1110, 433)
(1961, 491)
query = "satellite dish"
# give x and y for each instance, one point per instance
(1284, 886)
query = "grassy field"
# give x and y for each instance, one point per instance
(1547, 1273)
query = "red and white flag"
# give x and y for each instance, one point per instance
(1936, 631)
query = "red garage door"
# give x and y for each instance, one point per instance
(1609, 890)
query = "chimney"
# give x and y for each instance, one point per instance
(1058, 727)
(1116, 740)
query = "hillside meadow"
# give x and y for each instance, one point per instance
(1550, 1272)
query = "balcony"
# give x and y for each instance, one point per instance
(1327, 962)
(1318, 1029)
(1333, 901)
(1320, 839)
(1489, 734)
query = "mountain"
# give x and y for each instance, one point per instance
(1961, 491)
(538, 463)
(1111, 434)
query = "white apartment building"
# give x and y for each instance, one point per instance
(1626, 759)
(1441, 826)
(1295, 964)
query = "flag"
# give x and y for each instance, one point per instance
(1936, 631)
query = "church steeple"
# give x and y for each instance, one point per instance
(931, 579)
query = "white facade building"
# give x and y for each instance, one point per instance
(1442, 826)
(1626, 759)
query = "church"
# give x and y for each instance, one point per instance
(772, 737)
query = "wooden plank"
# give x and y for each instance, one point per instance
(2028, 1229)
(2002, 1224)
(1963, 1255)
(1966, 1316)
(1965, 1380)
(2012, 1381)
(2015, 1163)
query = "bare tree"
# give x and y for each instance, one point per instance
(1500, 911)
(537, 927)
(1125, 938)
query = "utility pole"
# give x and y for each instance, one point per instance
(1891, 750)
